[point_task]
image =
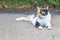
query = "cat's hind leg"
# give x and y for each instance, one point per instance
(37, 25)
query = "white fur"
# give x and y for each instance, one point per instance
(40, 28)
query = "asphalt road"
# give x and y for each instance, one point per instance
(12, 30)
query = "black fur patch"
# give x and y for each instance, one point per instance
(37, 24)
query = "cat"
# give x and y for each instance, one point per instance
(41, 19)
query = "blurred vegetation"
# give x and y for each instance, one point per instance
(28, 3)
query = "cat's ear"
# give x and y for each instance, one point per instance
(38, 8)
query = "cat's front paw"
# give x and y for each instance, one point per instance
(40, 28)
(49, 28)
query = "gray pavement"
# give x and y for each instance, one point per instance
(12, 30)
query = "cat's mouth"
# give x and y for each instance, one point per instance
(44, 12)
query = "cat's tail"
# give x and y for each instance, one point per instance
(23, 19)
(20, 19)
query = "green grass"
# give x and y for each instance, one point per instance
(29, 2)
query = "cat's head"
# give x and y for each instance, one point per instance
(42, 11)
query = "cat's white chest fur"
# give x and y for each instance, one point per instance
(45, 19)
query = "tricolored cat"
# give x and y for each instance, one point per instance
(41, 19)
